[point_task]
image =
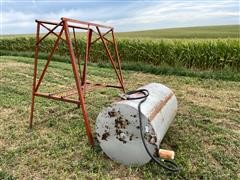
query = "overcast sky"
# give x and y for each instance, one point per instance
(17, 17)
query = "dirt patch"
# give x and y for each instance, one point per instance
(218, 100)
(11, 64)
(226, 123)
(5, 112)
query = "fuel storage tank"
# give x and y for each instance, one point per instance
(118, 130)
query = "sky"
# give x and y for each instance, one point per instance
(18, 17)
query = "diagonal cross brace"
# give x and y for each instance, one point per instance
(50, 30)
(48, 61)
(80, 83)
(111, 58)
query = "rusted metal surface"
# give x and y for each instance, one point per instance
(89, 38)
(48, 60)
(86, 23)
(118, 129)
(77, 53)
(52, 31)
(57, 98)
(103, 35)
(159, 106)
(117, 54)
(80, 76)
(120, 79)
(34, 74)
(56, 23)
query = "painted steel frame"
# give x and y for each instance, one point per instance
(80, 77)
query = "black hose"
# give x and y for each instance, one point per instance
(166, 164)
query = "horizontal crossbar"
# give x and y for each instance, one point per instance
(105, 85)
(85, 23)
(75, 26)
(55, 23)
(61, 95)
(57, 98)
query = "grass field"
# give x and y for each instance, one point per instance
(205, 134)
(200, 32)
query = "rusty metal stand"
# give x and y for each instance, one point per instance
(79, 75)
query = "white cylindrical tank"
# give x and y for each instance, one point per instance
(118, 130)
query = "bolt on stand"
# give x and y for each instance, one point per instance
(80, 76)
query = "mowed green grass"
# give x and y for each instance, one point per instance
(201, 32)
(205, 134)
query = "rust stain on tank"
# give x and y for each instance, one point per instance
(159, 106)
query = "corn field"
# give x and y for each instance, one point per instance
(212, 54)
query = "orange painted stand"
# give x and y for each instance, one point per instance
(80, 75)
